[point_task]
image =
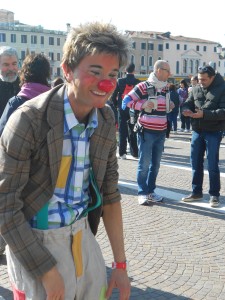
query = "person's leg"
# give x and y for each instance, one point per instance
(213, 140)
(188, 123)
(145, 143)
(123, 117)
(182, 119)
(132, 140)
(197, 162)
(175, 115)
(157, 149)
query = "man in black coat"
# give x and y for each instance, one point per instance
(126, 117)
(206, 106)
(9, 81)
(9, 87)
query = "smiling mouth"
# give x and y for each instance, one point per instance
(99, 93)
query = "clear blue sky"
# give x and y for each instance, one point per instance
(192, 18)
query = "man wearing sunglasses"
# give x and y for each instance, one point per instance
(206, 106)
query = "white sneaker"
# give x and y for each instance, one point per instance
(124, 156)
(142, 199)
(155, 198)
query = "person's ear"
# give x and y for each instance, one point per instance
(68, 74)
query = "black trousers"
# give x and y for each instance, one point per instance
(126, 133)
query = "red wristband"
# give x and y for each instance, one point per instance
(120, 265)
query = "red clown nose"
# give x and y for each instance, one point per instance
(106, 85)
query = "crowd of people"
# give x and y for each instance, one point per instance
(58, 152)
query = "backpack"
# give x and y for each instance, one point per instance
(127, 89)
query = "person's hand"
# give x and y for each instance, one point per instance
(172, 105)
(54, 285)
(119, 279)
(198, 114)
(187, 113)
(148, 105)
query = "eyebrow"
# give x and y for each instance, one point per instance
(100, 67)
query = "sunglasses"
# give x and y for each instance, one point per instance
(206, 70)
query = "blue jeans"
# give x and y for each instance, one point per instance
(172, 117)
(208, 142)
(150, 146)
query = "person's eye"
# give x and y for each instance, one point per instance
(95, 72)
(113, 75)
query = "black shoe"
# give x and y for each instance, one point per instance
(214, 201)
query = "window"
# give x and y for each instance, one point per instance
(150, 61)
(150, 46)
(134, 45)
(160, 47)
(33, 39)
(58, 71)
(2, 37)
(204, 48)
(185, 47)
(142, 60)
(191, 66)
(196, 66)
(58, 57)
(143, 46)
(23, 55)
(13, 38)
(167, 46)
(215, 49)
(197, 48)
(42, 40)
(51, 55)
(51, 40)
(58, 41)
(177, 67)
(185, 66)
(23, 39)
(178, 46)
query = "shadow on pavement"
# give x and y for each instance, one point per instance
(146, 293)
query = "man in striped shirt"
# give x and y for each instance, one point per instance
(151, 97)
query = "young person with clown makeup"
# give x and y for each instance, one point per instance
(59, 175)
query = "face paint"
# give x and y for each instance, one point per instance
(106, 85)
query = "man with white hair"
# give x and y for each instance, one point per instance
(9, 87)
(9, 81)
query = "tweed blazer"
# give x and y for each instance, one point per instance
(30, 156)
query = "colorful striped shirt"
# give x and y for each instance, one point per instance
(157, 119)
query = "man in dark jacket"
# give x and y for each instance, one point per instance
(9, 87)
(9, 81)
(125, 122)
(206, 106)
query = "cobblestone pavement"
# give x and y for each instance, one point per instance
(175, 250)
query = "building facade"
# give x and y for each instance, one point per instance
(184, 54)
(32, 39)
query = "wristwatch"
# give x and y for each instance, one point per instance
(120, 265)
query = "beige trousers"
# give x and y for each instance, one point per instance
(79, 261)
